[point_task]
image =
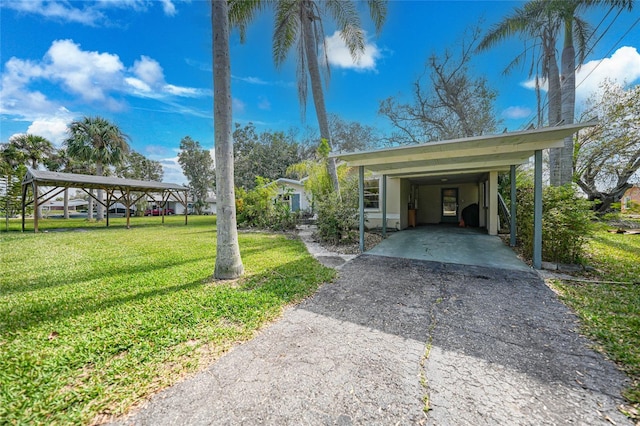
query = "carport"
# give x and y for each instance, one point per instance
(426, 177)
(46, 185)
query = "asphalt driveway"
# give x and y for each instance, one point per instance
(392, 336)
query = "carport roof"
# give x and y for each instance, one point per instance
(462, 156)
(72, 180)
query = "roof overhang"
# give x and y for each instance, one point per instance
(469, 156)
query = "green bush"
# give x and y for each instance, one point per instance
(566, 223)
(338, 216)
(262, 208)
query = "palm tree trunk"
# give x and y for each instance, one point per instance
(568, 81)
(555, 110)
(318, 96)
(228, 260)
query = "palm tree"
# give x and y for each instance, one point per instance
(556, 15)
(36, 150)
(577, 31)
(96, 140)
(228, 260)
(299, 22)
(539, 29)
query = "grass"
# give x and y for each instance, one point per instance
(92, 322)
(610, 313)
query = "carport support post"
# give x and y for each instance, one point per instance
(512, 222)
(35, 206)
(361, 205)
(537, 210)
(384, 206)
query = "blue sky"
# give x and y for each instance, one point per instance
(146, 65)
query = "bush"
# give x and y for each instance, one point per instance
(262, 208)
(338, 216)
(566, 223)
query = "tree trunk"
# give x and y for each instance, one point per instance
(99, 172)
(318, 95)
(228, 260)
(568, 82)
(554, 113)
(90, 209)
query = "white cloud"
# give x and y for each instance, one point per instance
(55, 10)
(338, 54)
(623, 66)
(238, 106)
(264, 104)
(86, 13)
(98, 79)
(516, 112)
(53, 128)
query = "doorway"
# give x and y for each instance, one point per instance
(449, 206)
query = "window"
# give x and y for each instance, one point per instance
(372, 194)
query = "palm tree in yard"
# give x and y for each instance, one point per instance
(546, 20)
(36, 150)
(97, 140)
(539, 29)
(576, 31)
(299, 23)
(228, 260)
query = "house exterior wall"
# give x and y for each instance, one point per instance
(429, 200)
(293, 188)
(630, 197)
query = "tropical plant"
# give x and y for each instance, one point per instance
(564, 15)
(97, 140)
(299, 23)
(11, 169)
(263, 207)
(36, 149)
(228, 261)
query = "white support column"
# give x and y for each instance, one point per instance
(512, 222)
(492, 213)
(384, 206)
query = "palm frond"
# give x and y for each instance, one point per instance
(286, 30)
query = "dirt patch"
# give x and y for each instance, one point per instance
(370, 241)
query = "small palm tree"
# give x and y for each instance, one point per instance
(97, 140)
(299, 23)
(36, 150)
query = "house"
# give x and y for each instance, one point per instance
(432, 183)
(630, 201)
(209, 209)
(293, 192)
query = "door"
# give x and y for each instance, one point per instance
(295, 202)
(449, 212)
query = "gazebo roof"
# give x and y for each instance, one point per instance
(72, 180)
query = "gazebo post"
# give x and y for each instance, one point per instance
(25, 188)
(537, 211)
(35, 206)
(361, 205)
(512, 230)
(108, 204)
(384, 206)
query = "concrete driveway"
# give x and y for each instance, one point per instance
(405, 341)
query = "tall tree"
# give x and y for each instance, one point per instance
(608, 154)
(267, 154)
(299, 23)
(137, 166)
(576, 34)
(561, 16)
(449, 104)
(36, 150)
(539, 28)
(197, 166)
(228, 260)
(97, 140)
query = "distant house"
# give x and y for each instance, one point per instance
(209, 209)
(630, 201)
(293, 192)
(57, 206)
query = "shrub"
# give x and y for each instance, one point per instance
(338, 216)
(262, 208)
(566, 223)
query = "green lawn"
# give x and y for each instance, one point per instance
(610, 313)
(94, 319)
